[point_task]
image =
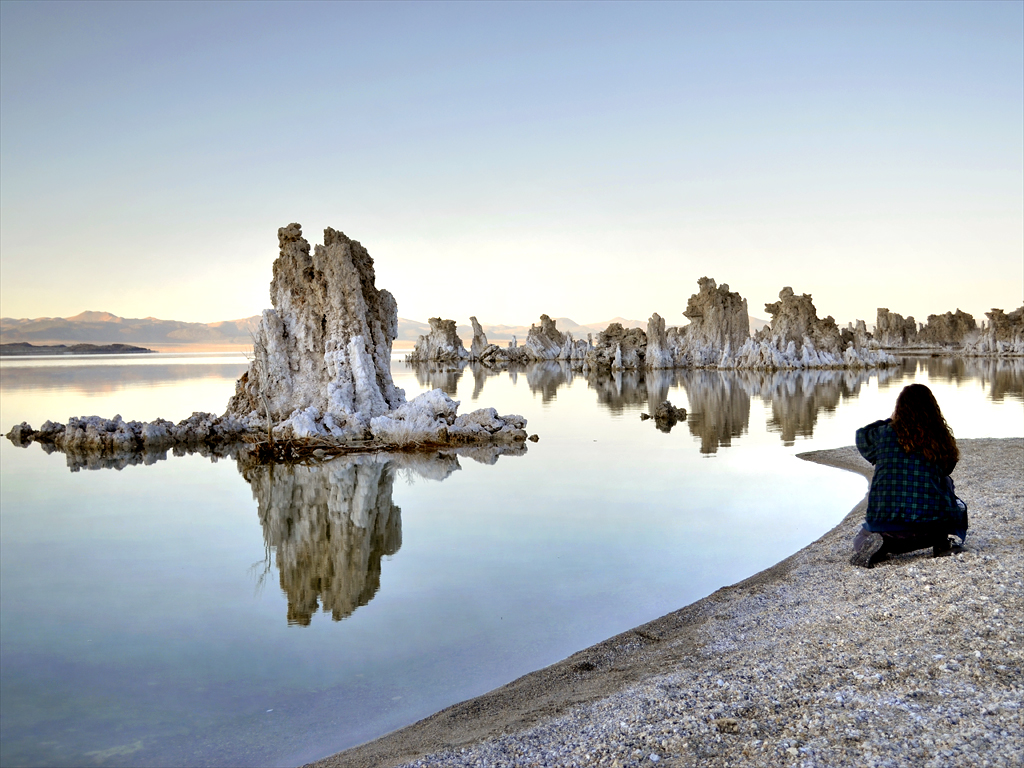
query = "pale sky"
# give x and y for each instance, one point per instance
(503, 160)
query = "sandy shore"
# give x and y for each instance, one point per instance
(813, 662)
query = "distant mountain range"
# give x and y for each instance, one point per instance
(105, 328)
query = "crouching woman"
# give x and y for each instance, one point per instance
(912, 503)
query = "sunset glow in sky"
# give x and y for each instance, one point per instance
(503, 160)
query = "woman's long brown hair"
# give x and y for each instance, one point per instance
(920, 427)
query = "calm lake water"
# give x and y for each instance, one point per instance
(195, 612)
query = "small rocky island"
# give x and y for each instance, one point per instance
(319, 383)
(24, 349)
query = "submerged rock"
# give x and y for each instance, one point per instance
(667, 416)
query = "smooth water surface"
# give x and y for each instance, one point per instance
(198, 612)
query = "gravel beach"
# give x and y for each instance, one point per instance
(813, 662)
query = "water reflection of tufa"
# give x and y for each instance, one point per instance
(719, 407)
(113, 456)
(328, 525)
(1004, 377)
(439, 375)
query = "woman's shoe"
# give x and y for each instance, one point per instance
(944, 550)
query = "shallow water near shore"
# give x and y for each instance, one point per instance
(202, 613)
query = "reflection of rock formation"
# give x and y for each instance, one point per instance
(798, 398)
(546, 377)
(441, 344)
(617, 390)
(481, 373)
(443, 376)
(720, 401)
(1004, 377)
(328, 525)
(658, 383)
(719, 408)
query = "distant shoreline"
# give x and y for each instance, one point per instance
(24, 349)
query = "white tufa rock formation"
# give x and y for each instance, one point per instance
(719, 325)
(1003, 336)
(892, 330)
(949, 329)
(321, 367)
(618, 349)
(718, 336)
(441, 345)
(798, 338)
(479, 344)
(323, 354)
(544, 342)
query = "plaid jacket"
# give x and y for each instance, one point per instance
(907, 491)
